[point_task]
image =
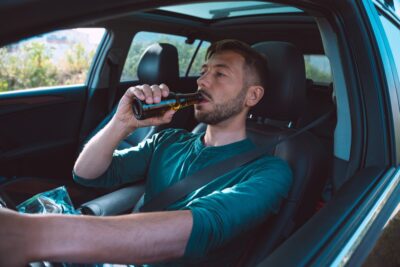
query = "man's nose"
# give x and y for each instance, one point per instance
(203, 81)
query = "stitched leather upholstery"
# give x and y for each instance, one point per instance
(285, 98)
(159, 64)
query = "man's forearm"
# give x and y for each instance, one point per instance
(135, 238)
(97, 154)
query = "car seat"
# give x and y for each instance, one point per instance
(271, 120)
(285, 100)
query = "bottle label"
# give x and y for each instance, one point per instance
(164, 103)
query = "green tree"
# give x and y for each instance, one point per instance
(199, 61)
(314, 73)
(38, 69)
(129, 72)
(73, 69)
(30, 66)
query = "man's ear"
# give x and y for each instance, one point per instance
(254, 95)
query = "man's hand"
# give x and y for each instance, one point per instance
(97, 154)
(149, 94)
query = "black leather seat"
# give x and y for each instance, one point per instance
(285, 100)
(270, 121)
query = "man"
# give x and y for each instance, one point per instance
(211, 226)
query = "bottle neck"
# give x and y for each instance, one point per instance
(189, 97)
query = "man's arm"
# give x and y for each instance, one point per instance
(134, 238)
(97, 153)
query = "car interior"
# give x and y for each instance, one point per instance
(53, 128)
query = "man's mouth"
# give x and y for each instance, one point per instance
(206, 97)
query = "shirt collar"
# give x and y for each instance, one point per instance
(239, 146)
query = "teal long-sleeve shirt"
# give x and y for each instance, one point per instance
(225, 211)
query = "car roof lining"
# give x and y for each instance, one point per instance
(301, 30)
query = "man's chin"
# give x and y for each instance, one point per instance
(201, 116)
(206, 118)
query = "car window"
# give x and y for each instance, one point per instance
(393, 35)
(53, 59)
(198, 61)
(142, 40)
(318, 68)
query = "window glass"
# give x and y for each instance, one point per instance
(144, 39)
(199, 59)
(217, 10)
(53, 59)
(397, 7)
(393, 35)
(318, 68)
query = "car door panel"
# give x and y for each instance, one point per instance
(39, 130)
(323, 237)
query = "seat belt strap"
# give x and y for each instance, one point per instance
(202, 177)
(112, 61)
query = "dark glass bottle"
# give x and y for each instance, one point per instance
(174, 101)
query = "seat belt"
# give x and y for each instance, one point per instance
(202, 177)
(113, 80)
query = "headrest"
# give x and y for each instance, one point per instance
(285, 97)
(159, 64)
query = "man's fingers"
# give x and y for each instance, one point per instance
(165, 118)
(135, 92)
(148, 93)
(156, 93)
(164, 90)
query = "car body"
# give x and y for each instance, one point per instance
(43, 129)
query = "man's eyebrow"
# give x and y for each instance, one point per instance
(221, 65)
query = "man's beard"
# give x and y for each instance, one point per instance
(224, 110)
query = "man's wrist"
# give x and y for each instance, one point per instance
(120, 129)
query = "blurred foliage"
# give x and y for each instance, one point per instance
(31, 65)
(315, 73)
(74, 68)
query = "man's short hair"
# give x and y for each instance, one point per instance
(255, 63)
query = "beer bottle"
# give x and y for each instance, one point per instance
(174, 101)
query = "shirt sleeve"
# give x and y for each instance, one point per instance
(225, 214)
(127, 165)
